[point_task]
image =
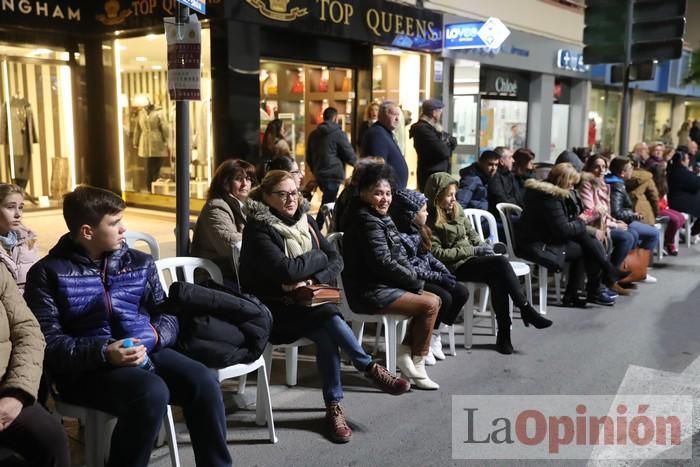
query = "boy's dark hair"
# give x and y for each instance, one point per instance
(373, 174)
(618, 164)
(489, 155)
(88, 205)
(329, 114)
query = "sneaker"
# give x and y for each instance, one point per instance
(430, 359)
(610, 292)
(436, 346)
(385, 380)
(649, 279)
(339, 430)
(601, 298)
(618, 289)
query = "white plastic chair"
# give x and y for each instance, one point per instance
(520, 268)
(506, 212)
(263, 407)
(98, 427)
(132, 237)
(328, 211)
(394, 325)
(661, 229)
(688, 226)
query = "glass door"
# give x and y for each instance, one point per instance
(465, 127)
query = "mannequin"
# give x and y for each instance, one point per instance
(150, 139)
(21, 123)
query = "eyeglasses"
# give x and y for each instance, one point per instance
(286, 195)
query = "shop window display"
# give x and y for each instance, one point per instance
(503, 123)
(36, 123)
(148, 140)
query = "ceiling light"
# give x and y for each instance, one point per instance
(156, 67)
(141, 59)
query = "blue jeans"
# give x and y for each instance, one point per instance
(647, 237)
(623, 242)
(330, 194)
(332, 334)
(139, 399)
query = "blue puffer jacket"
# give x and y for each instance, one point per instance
(426, 265)
(473, 188)
(81, 308)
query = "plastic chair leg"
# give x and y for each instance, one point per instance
(267, 356)
(358, 328)
(172, 438)
(451, 339)
(241, 384)
(291, 357)
(469, 318)
(390, 344)
(528, 288)
(543, 289)
(263, 405)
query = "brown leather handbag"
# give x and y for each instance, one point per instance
(636, 262)
(314, 295)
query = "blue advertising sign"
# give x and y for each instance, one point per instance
(199, 6)
(568, 60)
(463, 35)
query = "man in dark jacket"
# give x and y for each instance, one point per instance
(327, 152)
(89, 295)
(504, 186)
(433, 146)
(379, 141)
(474, 181)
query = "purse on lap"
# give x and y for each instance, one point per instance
(314, 295)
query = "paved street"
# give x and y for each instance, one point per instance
(586, 352)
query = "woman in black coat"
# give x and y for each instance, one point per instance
(282, 250)
(550, 233)
(684, 188)
(379, 277)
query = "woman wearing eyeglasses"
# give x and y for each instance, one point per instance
(283, 249)
(220, 225)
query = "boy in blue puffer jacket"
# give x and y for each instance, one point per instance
(409, 212)
(90, 294)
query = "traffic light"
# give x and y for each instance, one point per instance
(656, 33)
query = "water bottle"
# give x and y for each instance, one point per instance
(146, 364)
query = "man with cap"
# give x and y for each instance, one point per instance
(433, 146)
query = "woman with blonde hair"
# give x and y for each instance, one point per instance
(371, 116)
(19, 250)
(551, 232)
(456, 244)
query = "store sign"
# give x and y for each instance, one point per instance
(197, 5)
(488, 34)
(375, 21)
(567, 60)
(501, 83)
(184, 59)
(50, 10)
(437, 75)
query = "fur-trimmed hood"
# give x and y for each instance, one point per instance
(547, 188)
(261, 212)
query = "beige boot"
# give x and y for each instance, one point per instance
(405, 363)
(423, 381)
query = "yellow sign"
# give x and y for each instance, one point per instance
(113, 13)
(278, 10)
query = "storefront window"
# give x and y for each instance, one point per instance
(657, 120)
(503, 123)
(604, 112)
(405, 78)
(147, 115)
(36, 123)
(298, 94)
(465, 113)
(560, 118)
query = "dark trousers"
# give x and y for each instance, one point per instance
(153, 165)
(330, 194)
(139, 399)
(452, 302)
(38, 437)
(496, 272)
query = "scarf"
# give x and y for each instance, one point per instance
(297, 238)
(8, 241)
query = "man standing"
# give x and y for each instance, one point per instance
(640, 152)
(433, 146)
(327, 152)
(381, 142)
(90, 294)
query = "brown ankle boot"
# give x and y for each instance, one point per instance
(339, 430)
(385, 380)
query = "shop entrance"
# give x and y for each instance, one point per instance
(37, 140)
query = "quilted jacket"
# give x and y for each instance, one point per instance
(81, 307)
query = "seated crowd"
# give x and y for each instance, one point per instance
(403, 252)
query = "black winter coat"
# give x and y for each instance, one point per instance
(264, 267)
(433, 150)
(218, 326)
(504, 188)
(683, 190)
(377, 269)
(549, 221)
(621, 207)
(327, 152)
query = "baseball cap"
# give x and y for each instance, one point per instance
(432, 104)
